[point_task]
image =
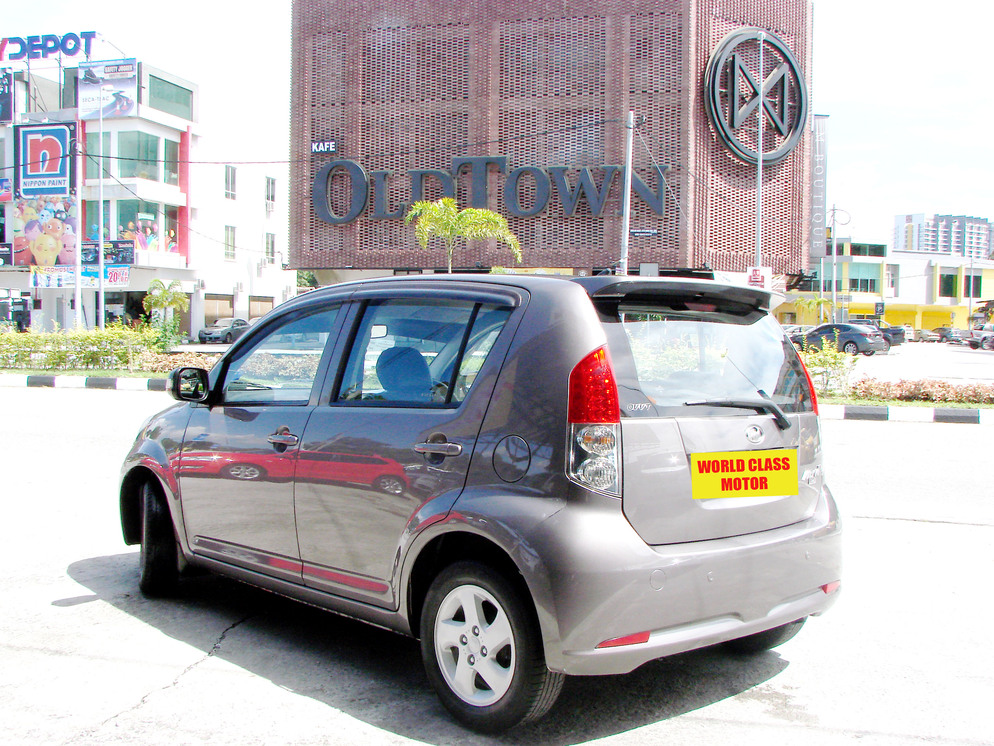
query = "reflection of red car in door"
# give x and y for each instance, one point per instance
(381, 473)
(237, 465)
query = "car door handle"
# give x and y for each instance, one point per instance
(283, 437)
(439, 449)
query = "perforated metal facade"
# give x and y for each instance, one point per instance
(404, 87)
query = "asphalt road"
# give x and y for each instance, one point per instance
(904, 657)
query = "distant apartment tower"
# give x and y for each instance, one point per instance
(944, 235)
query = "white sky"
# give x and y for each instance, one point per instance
(903, 81)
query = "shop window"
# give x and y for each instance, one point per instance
(170, 98)
(138, 153)
(270, 194)
(171, 163)
(947, 286)
(91, 163)
(138, 220)
(229, 243)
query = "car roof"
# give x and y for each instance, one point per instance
(597, 287)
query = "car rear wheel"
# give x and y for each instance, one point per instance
(158, 560)
(987, 343)
(850, 348)
(765, 640)
(482, 650)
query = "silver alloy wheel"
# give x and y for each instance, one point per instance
(390, 484)
(474, 645)
(245, 471)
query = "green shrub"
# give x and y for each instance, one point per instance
(113, 347)
(830, 368)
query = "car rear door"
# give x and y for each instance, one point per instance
(390, 445)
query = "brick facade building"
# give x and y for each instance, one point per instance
(519, 106)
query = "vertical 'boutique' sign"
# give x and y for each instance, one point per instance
(43, 154)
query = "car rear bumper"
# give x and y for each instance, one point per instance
(685, 596)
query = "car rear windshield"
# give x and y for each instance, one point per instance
(677, 360)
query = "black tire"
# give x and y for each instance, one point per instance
(850, 348)
(520, 688)
(158, 560)
(987, 343)
(228, 338)
(767, 640)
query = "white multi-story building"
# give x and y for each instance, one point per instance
(172, 209)
(949, 235)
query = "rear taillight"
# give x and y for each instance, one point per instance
(594, 417)
(811, 386)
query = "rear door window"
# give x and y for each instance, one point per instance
(419, 352)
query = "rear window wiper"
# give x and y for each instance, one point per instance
(757, 405)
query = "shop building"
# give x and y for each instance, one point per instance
(521, 107)
(170, 212)
(920, 289)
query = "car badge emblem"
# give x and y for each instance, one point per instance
(754, 434)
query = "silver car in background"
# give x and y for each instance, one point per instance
(586, 474)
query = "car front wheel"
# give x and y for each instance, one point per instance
(987, 343)
(482, 650)
(158, 560)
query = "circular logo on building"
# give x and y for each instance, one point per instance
(743, 100)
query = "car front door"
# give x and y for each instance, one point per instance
(239, 455)
(392, 445)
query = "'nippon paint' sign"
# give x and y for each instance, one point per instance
(14, 48)
(44, 157)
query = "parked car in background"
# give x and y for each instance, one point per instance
(951, 335)
(223, 330)
(535, 476)
(893, 335)
(925, 335)
(850, 338)
(981, 337)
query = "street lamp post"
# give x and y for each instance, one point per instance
(100, 214)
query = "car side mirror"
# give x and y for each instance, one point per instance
(189, 384)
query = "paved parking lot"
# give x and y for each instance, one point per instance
(918, 360)
(904, 657)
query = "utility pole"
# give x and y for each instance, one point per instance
(626, 194)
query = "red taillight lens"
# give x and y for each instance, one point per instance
(593, 392)
(811, 386)
(830, 588)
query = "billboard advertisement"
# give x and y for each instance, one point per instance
(43, 154)
(115, 252)
(6, 97)
(115, 276)
(43, 230)
(110, 87)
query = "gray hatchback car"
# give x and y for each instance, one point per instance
(535, 476)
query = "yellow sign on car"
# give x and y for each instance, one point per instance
(743, 473)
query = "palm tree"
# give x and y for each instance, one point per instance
(446, 221)
(816, 305)
(159, 297)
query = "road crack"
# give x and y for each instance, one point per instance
(215, 648)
